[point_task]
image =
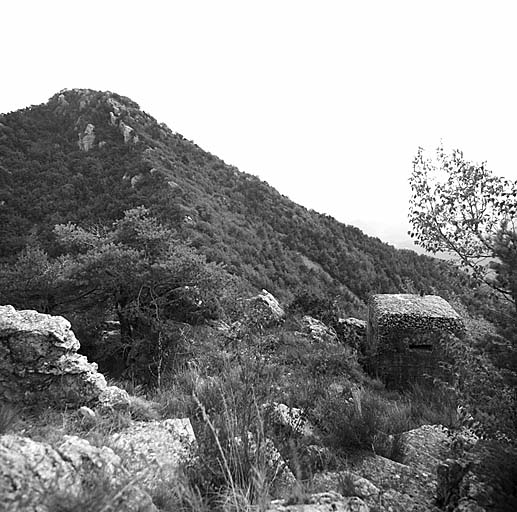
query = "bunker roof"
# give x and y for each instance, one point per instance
(413, 311)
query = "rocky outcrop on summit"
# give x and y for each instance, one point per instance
(87, 138)
(36, 477)
(40, 366)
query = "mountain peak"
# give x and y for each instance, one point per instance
(86, 97)
(88, 156)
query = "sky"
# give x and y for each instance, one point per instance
(327, 101)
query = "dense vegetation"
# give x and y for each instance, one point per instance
(231, 217)
(88, 224)
(148, 231)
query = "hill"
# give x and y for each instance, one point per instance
(151, 249)
(86, 157)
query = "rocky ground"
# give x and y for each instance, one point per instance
(107, 450)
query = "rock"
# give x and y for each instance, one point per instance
(466, 505)
(425, 447)
(354, 323)
(356, 485)
(114, 398)
(290, 418)
(86, 412)
(265, 310)
(321, 502)
(136, 179)
(39, 364)
(126, 131)
(156, 448)
(318, 331)
(35, 477)
(401, 487)
(87, 138)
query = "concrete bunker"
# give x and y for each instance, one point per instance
(403, 337)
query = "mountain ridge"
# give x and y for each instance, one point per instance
(87, 156)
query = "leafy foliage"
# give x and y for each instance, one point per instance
(462, 208)
(136, 272)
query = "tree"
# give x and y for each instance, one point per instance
(134, 271)
(461, 208)
(138, 271)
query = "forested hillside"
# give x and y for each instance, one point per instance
(85, 157)
(154, 252)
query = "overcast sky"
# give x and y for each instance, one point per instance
(327, 101)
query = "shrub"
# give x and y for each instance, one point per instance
(363, 421)
(480, 389)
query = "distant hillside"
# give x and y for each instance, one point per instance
(87, 156)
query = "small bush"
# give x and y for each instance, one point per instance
(363, 421)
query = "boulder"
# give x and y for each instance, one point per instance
(321, 502)
(354, 323)
(114, 398)
(36, 477)
(87, 138)
(356, 485)
(156, 449)
(290, 418)
(265, 310)
(318, 331)
(39, 364)
(126, 131)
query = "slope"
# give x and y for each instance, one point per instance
(87, 156)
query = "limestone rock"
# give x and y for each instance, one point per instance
(291, 418)
(136, 179)
(39, 364)
(321, 502)
(114, 398)
(354, 323)
(87, 138)
(356, 485)
(156, 448)
(86, 412)
(426, 446)
(265, 309)
(126, 131)
(466, 505)
(36, 477)
(318, 331)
